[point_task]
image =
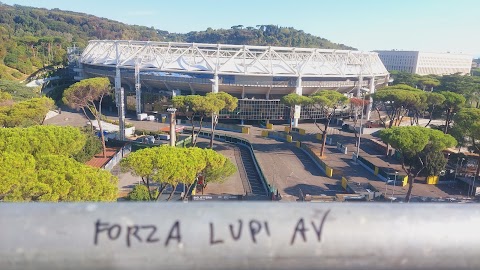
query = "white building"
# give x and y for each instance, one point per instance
(425, 63)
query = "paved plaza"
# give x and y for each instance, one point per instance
(288, 168)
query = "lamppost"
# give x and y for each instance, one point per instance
(386, 185)
(360, 130)
(172, 125)
(394, 182)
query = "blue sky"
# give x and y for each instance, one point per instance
(428, 25)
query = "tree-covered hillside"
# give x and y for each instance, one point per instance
(33, 38)
(268, 35)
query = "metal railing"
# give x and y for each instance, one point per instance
(244, 235)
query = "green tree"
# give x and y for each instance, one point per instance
(217, 102)
(467, 125)
(452, 104)
(18, 91)
(191, 106)
(42, 140)
(402, 77)
(139, 193)
(428, 82)
(52, 178)
(415, 144)
(4, 96)
(84, 95)
(92, 146)
(18, 179)
(291, 100)
(217, 167)
(170, 166)
(74, 181)
(435, 162)
(397, 101)
(328, 102)
(357, 105)
(434, 100)
(26, 113)
(204, 106)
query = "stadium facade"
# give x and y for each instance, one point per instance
(426, 63)
(257, 75)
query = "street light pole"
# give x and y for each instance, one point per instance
(386, 184)
(393, 190)
(172, 125)
(360, 130)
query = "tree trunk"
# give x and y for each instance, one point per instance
(324, 139)
(411, 180)
(103, 138)
(148, 187)
(174, 187)
(214, 125)
(380, 118)
(99, 120)
(194, 141)
(160, 191)
(431, 117)
(89, 120)
(291, 120)
(187, 188)
(447, 121)
(199, 129)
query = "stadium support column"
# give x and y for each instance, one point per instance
(120, 101)
(214, 115)
(138, 90)
(215, 83)
(372, 91)
(298, 108)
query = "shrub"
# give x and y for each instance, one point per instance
(93, 146)
(17, 74)
(139, 193)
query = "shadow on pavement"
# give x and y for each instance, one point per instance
(301, 190)
(287, 148)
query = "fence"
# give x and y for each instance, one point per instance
(220, 126)
(121, 153)
(233, 235)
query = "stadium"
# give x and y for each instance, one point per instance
(150, 72)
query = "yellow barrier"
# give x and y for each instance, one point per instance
(432, 180)
(319, 136)
(164, 119)
(264, 133)
(298, 144)
(289, 138)
(328, 171)
(287, 129)
(301, 131)
(344, 183)
(246, 130)
(269, 126)
(376, 170)
(405, 181)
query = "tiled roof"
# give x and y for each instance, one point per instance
(98, 161)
